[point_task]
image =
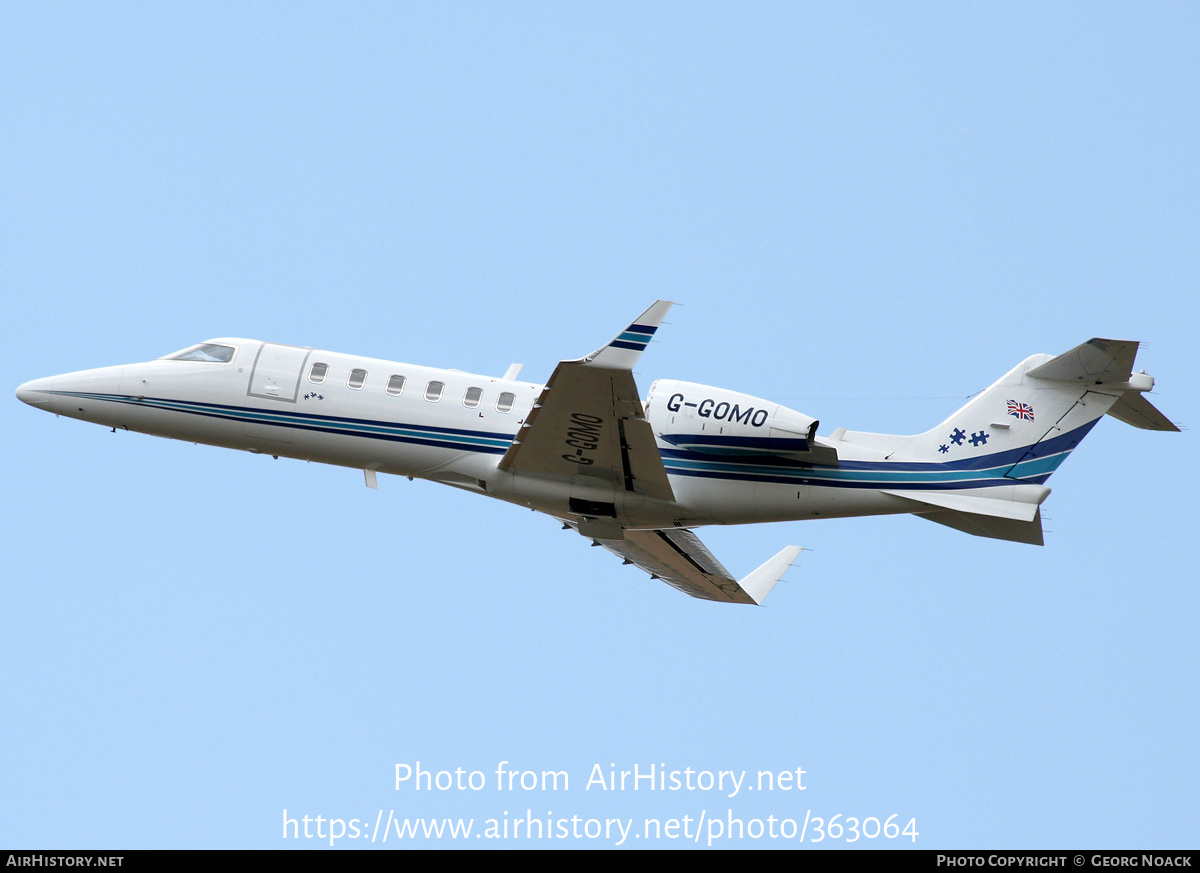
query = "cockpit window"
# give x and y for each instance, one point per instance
(211, 353)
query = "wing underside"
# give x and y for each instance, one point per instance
(588, 424)
(677, 557)
(589, 421)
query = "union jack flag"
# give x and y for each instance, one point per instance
(1020, 410)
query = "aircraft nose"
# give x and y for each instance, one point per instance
(36, 393)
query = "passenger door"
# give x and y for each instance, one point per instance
(276, 374)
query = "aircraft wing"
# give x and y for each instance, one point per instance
(589, 421)
(677, 557)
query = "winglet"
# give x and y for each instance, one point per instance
(625, 349)
(759, 583)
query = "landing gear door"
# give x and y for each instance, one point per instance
(276, 374)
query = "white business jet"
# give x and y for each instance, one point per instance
(634, 477)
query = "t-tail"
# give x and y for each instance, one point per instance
(990, 460)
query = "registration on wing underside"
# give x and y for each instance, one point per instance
(589, 421)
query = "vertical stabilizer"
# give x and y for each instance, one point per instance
(999, 449)
(1021, 427)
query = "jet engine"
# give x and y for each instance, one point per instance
(715, 421)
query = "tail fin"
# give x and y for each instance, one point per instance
(1026, 424)
(1009, 440)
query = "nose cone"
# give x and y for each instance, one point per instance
(87, 394)
(36, 393)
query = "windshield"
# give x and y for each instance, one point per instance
(209, 352)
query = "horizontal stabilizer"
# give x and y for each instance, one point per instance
(990, 507)
(1135, 409)
(1098, 361)
(1009, 529)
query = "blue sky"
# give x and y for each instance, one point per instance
(868, 213)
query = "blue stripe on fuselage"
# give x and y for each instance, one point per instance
(443, 437)
(1032, 463)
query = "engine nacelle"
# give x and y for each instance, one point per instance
(715, 421)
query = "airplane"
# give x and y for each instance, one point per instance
(633, 476)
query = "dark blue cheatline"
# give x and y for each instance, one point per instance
(442, 437)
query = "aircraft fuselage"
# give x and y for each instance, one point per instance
(444, 425)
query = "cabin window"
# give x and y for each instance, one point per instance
(433, 391)
(505, 402)
(357, 377)
(395, 385)
(317, 373)
(209, 353)
(472, 397)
